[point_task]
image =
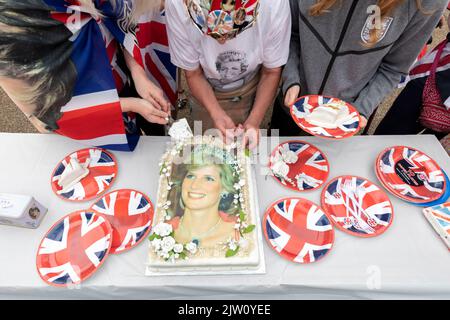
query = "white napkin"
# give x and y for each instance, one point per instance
(72, 174)
(180, 130)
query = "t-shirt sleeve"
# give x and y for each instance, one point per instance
(181, 48)
(278, 29)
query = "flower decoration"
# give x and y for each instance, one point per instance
(165, 246)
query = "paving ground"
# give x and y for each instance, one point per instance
(12, 120)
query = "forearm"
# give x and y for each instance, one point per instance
(265, 94)
(202, 91)
(133, 66)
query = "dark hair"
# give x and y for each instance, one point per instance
(36, 49)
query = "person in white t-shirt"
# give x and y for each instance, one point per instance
(232, 52)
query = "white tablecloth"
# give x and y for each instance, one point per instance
(408, 261)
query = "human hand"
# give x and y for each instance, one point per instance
(149, 91)
(363, 122)
(250, 134)
(291, 95)
(145, 109)
(225, 125)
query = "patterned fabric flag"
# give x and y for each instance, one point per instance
(94, 115)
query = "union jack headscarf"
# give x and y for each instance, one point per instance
(87, 50)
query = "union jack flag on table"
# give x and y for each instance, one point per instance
(73, 249)
(298, 230)
(357, 206)
(94, 115)
(305, 106)
(102, 171)
(439, 218)
(410, 174)
(130, 214)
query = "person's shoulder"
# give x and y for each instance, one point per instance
(271, 6)
(270, 11)
(177, 5)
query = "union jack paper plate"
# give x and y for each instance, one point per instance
(102, 172)
(298, 230)
(410, 175)
(299, 166)
(303, 109)
(439, 201)
(357, 206)
(130, 214)
(73, 249)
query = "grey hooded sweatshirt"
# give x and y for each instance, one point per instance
(328, 55)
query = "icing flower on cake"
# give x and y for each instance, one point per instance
(163, 229)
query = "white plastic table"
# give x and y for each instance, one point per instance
(408, 261)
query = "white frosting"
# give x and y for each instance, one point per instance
(329, 116)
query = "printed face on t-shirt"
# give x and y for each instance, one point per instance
(231, 65)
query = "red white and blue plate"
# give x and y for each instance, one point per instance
(130, 214)
(304, 106)
(357, 206)
(410, 174)
(102, 172)
(298, 230)
(74, 248)
(309, 172)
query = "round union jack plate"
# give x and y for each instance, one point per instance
(410, 175)
(299, 166)
(73, 249)
(326, 117)
(130, 214)
(102, 171)
(298, 230)
(357, 206)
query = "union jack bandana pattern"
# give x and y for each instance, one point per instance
(439, 218)
(130, 214)
(410, 175)
(298, 230)
(102, 172)
(308, 170)
(73, 249)
(357, 206)
(222, 19)
(94, 115)
(304, 107)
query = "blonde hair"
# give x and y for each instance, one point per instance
(386, 7)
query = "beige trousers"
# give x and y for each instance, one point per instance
(237, 104)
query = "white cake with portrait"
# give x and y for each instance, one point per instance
(207, 216)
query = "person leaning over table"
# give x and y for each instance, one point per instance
(55, 59)
(357, 51)
(233, 72)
